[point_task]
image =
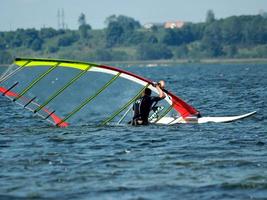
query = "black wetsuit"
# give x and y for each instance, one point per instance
(142, 107)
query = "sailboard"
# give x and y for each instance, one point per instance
(65, 92)
(201, 120)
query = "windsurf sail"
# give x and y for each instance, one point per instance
(67, 92)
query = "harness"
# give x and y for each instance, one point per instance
(141, 110)
(137, 108)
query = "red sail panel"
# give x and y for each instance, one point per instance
(7, 93)
(182, 107)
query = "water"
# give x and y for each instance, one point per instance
(207, 161)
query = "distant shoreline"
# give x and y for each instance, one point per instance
(187, 61)
(182, 61)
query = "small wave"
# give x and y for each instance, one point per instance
(244, 185)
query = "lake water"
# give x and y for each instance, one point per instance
(186, 161)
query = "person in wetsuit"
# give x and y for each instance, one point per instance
(143, 105)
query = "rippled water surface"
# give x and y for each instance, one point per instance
(187, 161)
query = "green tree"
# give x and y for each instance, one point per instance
(28, 36)
(210, 16)
(84, 28)
(36, 44)
(212, 40)
(230, 51)
(68, 39)
(52, 49)
(153, 52)
(255, 30)
(2, 42)
(114, 34)
(5, 57)
(138, 37)
(181, 52)
(231, 31)
(152, 39)
(171, 37)
(110, 19)
(16, 41)
(103, 55)
(176, 37)
(47, 33)
(82, 19)
(120, 29)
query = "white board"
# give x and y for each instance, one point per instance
(173, 120)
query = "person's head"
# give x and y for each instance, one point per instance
(162, 84)
(147, 92)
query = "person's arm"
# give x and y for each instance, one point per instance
(161, 93)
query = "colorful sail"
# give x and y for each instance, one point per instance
(70, 92)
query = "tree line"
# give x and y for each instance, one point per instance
(124, 39)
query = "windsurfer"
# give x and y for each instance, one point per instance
(144, 104)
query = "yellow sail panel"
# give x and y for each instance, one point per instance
(74, 65)
(35, 63)
(21, 62)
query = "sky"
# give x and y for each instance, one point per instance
(43, 13)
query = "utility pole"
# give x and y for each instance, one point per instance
(61, 19)
(58, 19)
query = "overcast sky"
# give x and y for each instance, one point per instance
(39, 13)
